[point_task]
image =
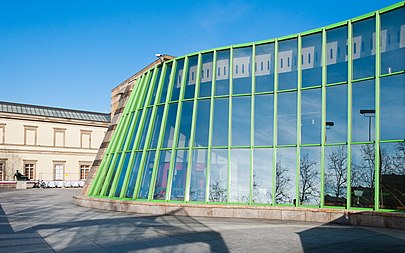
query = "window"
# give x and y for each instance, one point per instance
(30, 135)
(85, 139)
(29, 169)
(2, 133)
(59, 137)
(84, 171)
(58, 171)
(2, 170)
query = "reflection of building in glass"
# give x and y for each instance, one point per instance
(314, 119)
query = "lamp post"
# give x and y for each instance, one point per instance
(368, 113)
(328, 124)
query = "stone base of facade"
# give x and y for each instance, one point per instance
(323, 215)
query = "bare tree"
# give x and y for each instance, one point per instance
(282, 183)
(336, 174)
(217, 192)
(309, 175)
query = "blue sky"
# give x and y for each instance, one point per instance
(71, 53)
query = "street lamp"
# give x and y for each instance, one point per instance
(368, 113)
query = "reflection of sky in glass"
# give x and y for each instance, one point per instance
(177, 80)
(311, 109)
(263, 132)
(264, 67)
(287, 118)
(336, 113)
(185, 124)
(146, 174)
(285, 175)
(311, 60)
(241, 72)
(241, 121)
(287, 64)
(262, 175)
(363, 99)
(218, 175)
(165, 83)
(240, 175)
(336, 55)
(155, 87)
(191, 77)
(220, 129)
(206, 75)
(134, 174)
(222, 73)
(202, 123)
(169, 128)
(157, 126)
(198, 175)
(162, 175)
(179, 175)
(363, 48)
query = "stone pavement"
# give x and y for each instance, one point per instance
(45, 220)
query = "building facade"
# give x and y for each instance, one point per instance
(314, 119)
(46, 143)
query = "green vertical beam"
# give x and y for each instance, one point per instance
(161, 134)
(230, 69)
(298, 154)
(193, 126)
(252, 120)
(377, 169)
(275, 121)
(176, 134)
(214, 75)
(121, 140)
(349, 110)
(149, 90)
(323, 117)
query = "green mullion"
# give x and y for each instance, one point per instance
(103, 169)
(222, 96)
(310, 145)
(263, 147)
(214, 74)
(323, 119)
(287, 90)
(335, 144)
(252, 122)
(363, 79)
(287, 146)
(176, 130)
(273, 190)
(242, 95)
(298, 154)
(349, 113)
(161, 134)
(228, 197)
(264, 93)
(149, 89)
(192, 133)
(121, 138)
(147, 141)
(377, 114)
(391, 7)
(393, 73)
(334, 84)
(311, 88)
(390, 141)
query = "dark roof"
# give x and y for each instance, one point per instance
(53, 112)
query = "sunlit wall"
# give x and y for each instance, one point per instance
(315, 119)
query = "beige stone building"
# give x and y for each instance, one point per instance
(47, 143)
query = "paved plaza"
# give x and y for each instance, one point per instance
(45, 220)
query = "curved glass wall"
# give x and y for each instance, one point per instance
(314, 120)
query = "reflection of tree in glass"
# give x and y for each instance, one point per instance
(336, 176)
(363, 172)
(308, 179)
(257, 196)
(217, 192)
(282, 183)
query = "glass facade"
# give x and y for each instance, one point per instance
(314, 120)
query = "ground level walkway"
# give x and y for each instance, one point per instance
(45, 220)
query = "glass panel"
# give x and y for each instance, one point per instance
(311, 116)
(202, 124)
(156, 127)
(363, 48)
(264, 67)
(220, 126)
(310, 176)
(122, 174)
(392, 178)
(392, 107)
(362, 175)
(166, 83)
(191, 78)
(126, 136)
(177, 80)
(287, 64)
(287, 118)
(335, 176)
(263, 125)
(179, 175)
(162, 175)
(218, 175)
(114, 170)
(222, 72)
(363, 111)
(147, 90)
(311, 60)
(198, 175)
(242, 78)
(262, 176)
(336, 55)
(145, 129)
(155, 87)
(133, 175)
(240, 175)
(170, 124)
(206, 75)
(241, 121)
(392, 45)
(135, 130)
(146, 174)
(336, 114)
(285, 176)
(185, 124)
(109, 162)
